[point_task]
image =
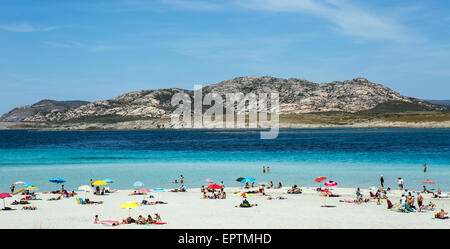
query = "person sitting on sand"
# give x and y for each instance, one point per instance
(150, 219)
(141, 220)
(271, 184)
(93, 202)
(245, 203)
(441, 215)
(158, 218)
(204, 196)
(430, 206)
(128, 220)
(279, 185)
(202, 189)
(294, 190)
(246, 185)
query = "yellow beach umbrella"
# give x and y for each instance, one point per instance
(129, 205)
(32, 188)
(99, 183)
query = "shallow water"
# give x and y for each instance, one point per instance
(352, 157)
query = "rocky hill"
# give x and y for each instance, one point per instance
(296, 96)
(40, 108)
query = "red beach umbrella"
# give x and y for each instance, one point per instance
(214, 186)
(3, 196)
(428, 181)
(319, 179)
(331, 183)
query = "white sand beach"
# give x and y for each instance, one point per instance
(187, 210)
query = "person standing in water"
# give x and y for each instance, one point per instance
(382, 181)
(264, 169)
(425, 168)
(181, 179)
(268, 169)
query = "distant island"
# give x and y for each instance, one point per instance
(303, 104)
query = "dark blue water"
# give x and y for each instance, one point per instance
(352, 156)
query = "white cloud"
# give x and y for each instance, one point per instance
(346, 18)
(23, 28)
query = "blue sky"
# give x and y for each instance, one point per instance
(92, 50)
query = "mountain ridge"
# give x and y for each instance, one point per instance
(297, 96)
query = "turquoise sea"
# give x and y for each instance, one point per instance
(352, 157)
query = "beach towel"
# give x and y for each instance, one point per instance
(396, 206)
(409, 209)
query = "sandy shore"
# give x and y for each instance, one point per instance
(188, 210)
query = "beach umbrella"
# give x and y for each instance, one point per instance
(214, 186)
(320, 178)
(3, 196)
(19, 183)
(138, 184)
(240, 179)
(107, 180)
(99, 183)
(209, 180)
(32, 188)
(57, 180)
(428, 181)
(129, 205)
(330, 183)
(29, 185)
(144, 190)
(248, 179)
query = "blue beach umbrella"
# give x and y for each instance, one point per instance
(248, 179)
(57, 180)
(29, 185)
(108, 180)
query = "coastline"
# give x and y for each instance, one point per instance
(151, 125)
(188, 211)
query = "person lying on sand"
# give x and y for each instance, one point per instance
(277, 198)
(93, 202)
(54, 198)
(441, 215)
(21, 202)
(145, 202)
(294, 190)
(29, 208)
(135, 193)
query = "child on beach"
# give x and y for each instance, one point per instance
(158, 218)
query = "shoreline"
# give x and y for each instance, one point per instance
(285, 126)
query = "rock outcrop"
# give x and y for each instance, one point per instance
(296, 96)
